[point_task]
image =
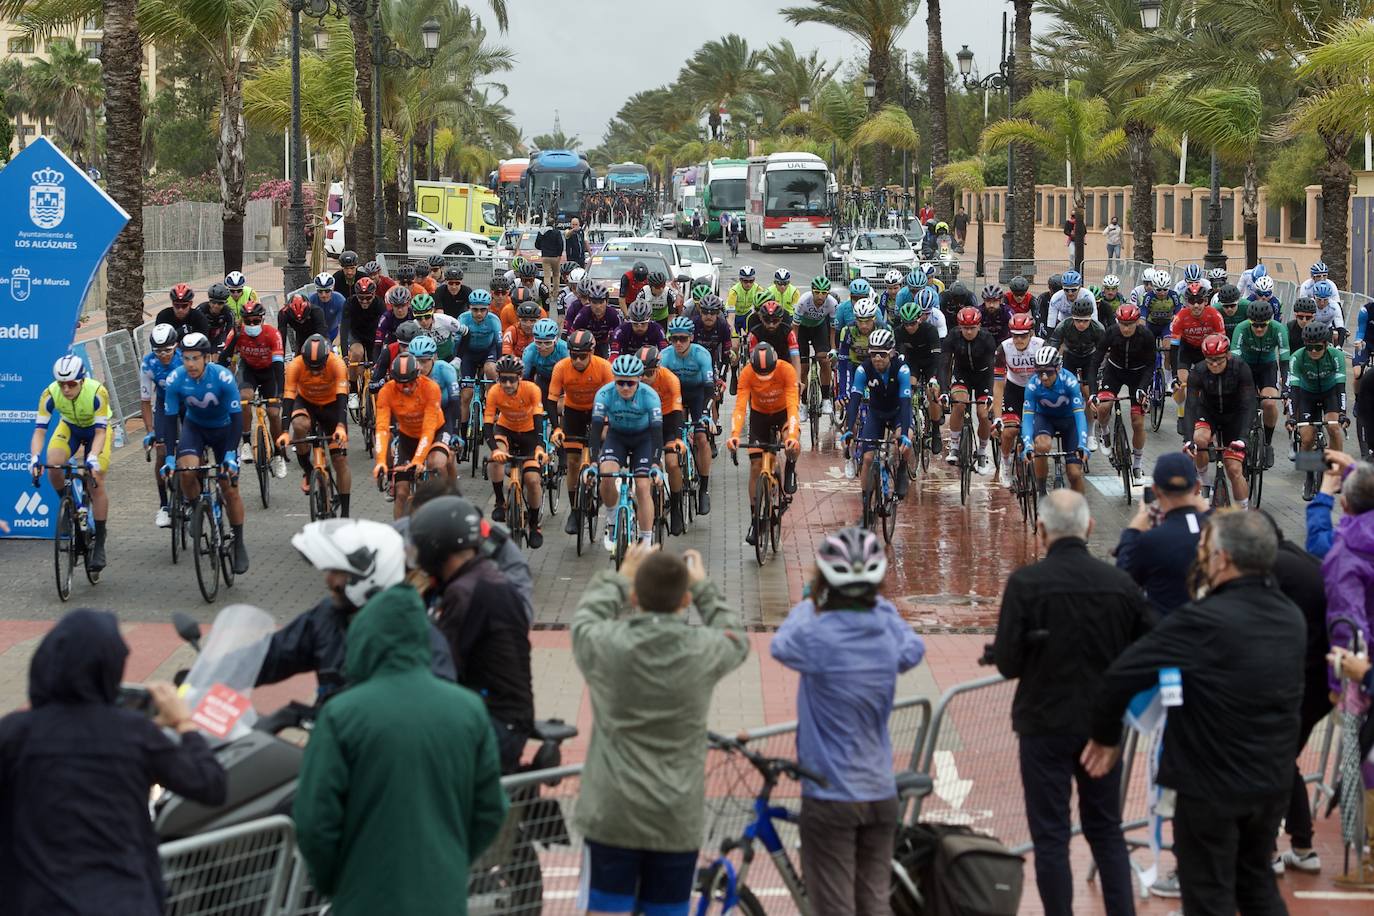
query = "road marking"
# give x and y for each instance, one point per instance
(948, 785)
(1333, 895)
(1109, 485)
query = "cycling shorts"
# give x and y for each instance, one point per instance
(815, 339)
(195, 439)
(405, 453)
(1265, 375)
(1188, 356)
(165, 428)
(1311, 406)
(1077, 363)
(471, 364)
(1063, 428)
(1227, 429)
(629, 450)
(576, 423)
(263, 381)
(519, 444)
(324, 419)
(1013, 400)
(694, 402)
(978, 385)
(672, 426)
(80, 439)
(1114, 378)
(875, 427)
(766, 427)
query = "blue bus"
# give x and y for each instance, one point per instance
(627, 176)
(561, 173)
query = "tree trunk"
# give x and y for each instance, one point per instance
(1335, 175)
(713, 121)
(392, 196)
(1080, 226)
(350, 206)
(1023, 178)
(939, 112)
(362, 240)
(1249, 212)
(879, 67)
(979, 268)
(1139, 149)
(405, 167)
(233, 194)
(120, 72)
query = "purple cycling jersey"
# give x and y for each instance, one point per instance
(625, 340)
(602, 328)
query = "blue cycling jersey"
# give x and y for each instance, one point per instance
(1062, 399)
(446, 377)
(209, 401)
(888, 393)
(905, 295)
(480, 338)
(333, 308)
(540, 368)
(628, 415)
(693, 370)
(152, 379)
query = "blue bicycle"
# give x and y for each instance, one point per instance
(73, 533)
(624, 520)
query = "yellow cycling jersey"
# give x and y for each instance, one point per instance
(787, 297)
(90, 407)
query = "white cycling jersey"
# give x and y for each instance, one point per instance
(1020, 363)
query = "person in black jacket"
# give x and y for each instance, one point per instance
(451, 296)
(1228, 744)
(575, 244)
(1159, 545)
(75, 774)
(550, 245)
(1063, 621)
(182, 315)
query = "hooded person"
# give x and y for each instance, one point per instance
(75, 776)
(400, 788)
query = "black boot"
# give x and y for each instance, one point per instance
(498, 512)
(97, 560)
(240, 552)
(789, 478)
(675, 524)
(574, 519)
(536, 534)
(903, 480)
(703, 500)
(751, 538)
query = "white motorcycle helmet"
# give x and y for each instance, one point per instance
(371, 553)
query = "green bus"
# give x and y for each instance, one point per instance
(721, 185)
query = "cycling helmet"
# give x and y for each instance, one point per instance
(681, 324)
(422, 304)
(372, 554)
(196, 342)
(479, 299)
(858, 288)
(407, 331)
(1055, 283)
(256, 309)
(1023, 323)
(1258, 271)
(657, 279)
(566, 268)
(398, 296)
(1195, 295)
(1265, 285)
(370, 269)
(1316, 332)
(1215, 345)
(1080, 309)
(1320, 269)
(235, 280)
(364, 288)
(1071, 279)
(453, 274)
(700, 291)
(69, 369)
(1048, 358)
(640, 271)
(1217, 275)
(440, 528)
(909, 313)
(711, 305)
(405, 369)
(296, 306)
(348, 259)
(941, 227)
(577, 276)
(881, 339)
(599, 292)
(1148, 278)
(436, 261)
(852, 561)
(1096, 291)
(747, 273)
(527, 271)
(770, 310)
(639, 312)
(182, 294)
(893, 277)
(162, 336)
(1192, 274)
(991, 291)
(820, 285)
(1019, 285)
(782, 276)
(1127, 313)
(516, 263)
(627, 366)
(315, 352)
(764, 359)
(527, 311)
(916, 279)
(969, 317)
(928, 298)
(546, 329)
(1228, 294)
(648, 355)
(423, 347)
(1305, 305)
(509, 365)
(1323, 289)
(499, 285)
(866, 309)
(1111, 281)
(218, 292)
(1259, 312)
(324, 281)
(582, 341)
(422, 269)
(405, 274)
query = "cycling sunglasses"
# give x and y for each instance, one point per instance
(626, 382)
(681, 338)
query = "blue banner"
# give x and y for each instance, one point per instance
(56, 225)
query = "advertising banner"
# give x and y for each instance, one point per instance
(56, 226)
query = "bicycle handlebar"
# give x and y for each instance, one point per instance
(770, 767)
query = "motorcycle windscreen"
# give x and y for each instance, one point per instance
(220, 683)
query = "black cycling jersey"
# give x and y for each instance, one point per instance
(969, 357)
(452, 304)
(1129, 354)
(360, 324)
(921, 349)
(1223, 396)
(1069, 339)
(220, 325)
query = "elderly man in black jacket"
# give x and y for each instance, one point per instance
(1228, 744)
(1063, 621)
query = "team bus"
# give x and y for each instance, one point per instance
(787, 201)
(559, 176)
(721, 185)
(627, 176)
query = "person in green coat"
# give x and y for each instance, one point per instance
(401, 787)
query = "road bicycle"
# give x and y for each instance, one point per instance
(1257, 450)
(1159, 385)
(1218, 495)
(691, 474)
(73, 533)
(880, 491)
(321, 487)
(177, 512)
(472, 439)
(212, 539)
(968, 447)
(587, 501)
(1118, 444)
(261, 440)
(1024, 487)
(813, 401)
(1320, 443)
(365, 415)
(623, 515)
(769, 502)
(551, 474)
(517, 508)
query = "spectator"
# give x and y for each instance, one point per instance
(650, 675)
(1228, 743)
(481, 614)
(575, 244)
(849, 644)
(1112, 234)
(1158, 546)
(1070, 228)
(1357, 498)
(75, 776)
(960, 228)
(1299, 576)
(926, 214)
(400, 788)
(550, 244)
(1064, 620)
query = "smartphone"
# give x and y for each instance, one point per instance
(1311, 462)
(136, 697)
(1149, 496)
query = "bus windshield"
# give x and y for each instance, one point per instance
(568, 186)
(795, 193)
(727, 194)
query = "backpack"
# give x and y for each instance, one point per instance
(956, 872)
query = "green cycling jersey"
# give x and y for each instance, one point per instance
(1317, 374)
(1258, 350)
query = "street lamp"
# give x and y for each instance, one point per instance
(295, 274)
(1002, 80)
(806, 104)
(758, 119)
(870, 88)
(1149, 14)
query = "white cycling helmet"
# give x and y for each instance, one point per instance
(1111, 281)
(371, 553)
(163, 335)
(865, 308)
(881, 339)
(68, 369)
(893, 277)
(324, 281)
(852, 560)
(575, 276)
(1265, 285)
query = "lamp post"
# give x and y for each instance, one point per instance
(295, 274)
(1002, 80)
(906, 106)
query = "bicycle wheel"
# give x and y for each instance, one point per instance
(1256, 482)
(872, 488)
(553, 485)
(965, 463)
(763, 507)
(1157, 400)
(1221, 491)
(262, 463)
(813, 407)
(87, 542)
(369, 424)
(624, 520)
(178, 513)
(205, 541)
(1121, 457)
(320, 497)
(226, 550)
(474, 439)
(64, 546)
(660, 516)
(1021, 474)
(887, 506)
(1254, 463)
(515, 511)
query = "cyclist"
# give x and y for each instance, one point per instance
(1042, 302)
(315, 398)
(1221, 407)
(1193, 282)
(1227, 302)
(853, 348)
(1216, 276)
(929, 302)
(346, 277)
(1062, 302)
(581, 297)
(573, 387)
(662, 301)
(566, 287)
(513, 425)
(331, 303)
(423, 348)
(844, 312)
(152, 392)
(1018, 354)
(632, 281)
(501, 300)
(884, 383)
(400, 343)
(915, 280)
(397, 311)
(1329, 310)
(479, 346)
(1319, 272)
(1110, 300)
(240, 293)
(414, 402)
(219, 318)
(1146, 285)
(772, 325)
(358, 333)
(816, 336)
(887, 299)
(1054, 408)
(1189, 328)
(996, 316)
(1316, 374)
(541, 357)
(1263, 291)
(1303, 309)
(1125, 357)
(521, 334)
(206, 397)
(971, 357)
(627, 431)
(441, 328)
(262, 363)
(638, 331)
(920, 347)
(768, 394)
(1076, 338)
(1019, 297)
(1259, 342)
(600, 318)
(669, 390)
(182, 314)
(698, 295)
(528, 288)
(82, 406)
(695, 371)
(299, 320)
(451, 298)
(424, 283)
(744, 297)
(570, 301)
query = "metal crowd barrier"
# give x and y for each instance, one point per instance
(472, 265)
(1036, 270)
(241, 869)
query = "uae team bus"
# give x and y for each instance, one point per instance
(627, 176)
(559, 172)
(722, 191)
(788, 201)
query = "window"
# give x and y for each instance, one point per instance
(93, 23)
(1063, 208)
(1039, 206)
(1297, 222)
(21, 44)
(1102, 201)
(1118, 202)
(92, 47)
(1049, 210)
(1090, 211)
(1321, 208)
(1228, 217)
(996, 208)
(1186, 227)
(1272, 218)
(1166, 218)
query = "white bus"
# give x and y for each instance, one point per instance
(788, 201)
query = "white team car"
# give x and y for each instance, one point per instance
(424, 237)
(873, 252)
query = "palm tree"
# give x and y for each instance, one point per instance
(935, 92)
(789, 76)
(6, 130)
(364, 194)
(1058, 124)
(721, 71)
(555, 140)
(66, 89)
(836, 116)
(877, 24)
(1022, 178)
(967, 175)
(121, 74)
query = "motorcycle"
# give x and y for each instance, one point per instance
(946, 261)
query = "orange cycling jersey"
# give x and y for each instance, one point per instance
(774, 394)
(515, 412)
(320, 388)
(419, 287)
(514, 341)
(578, 389)
(418, 415)
(509, 319)
(669, 389)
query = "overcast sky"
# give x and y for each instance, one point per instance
(607, 50)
